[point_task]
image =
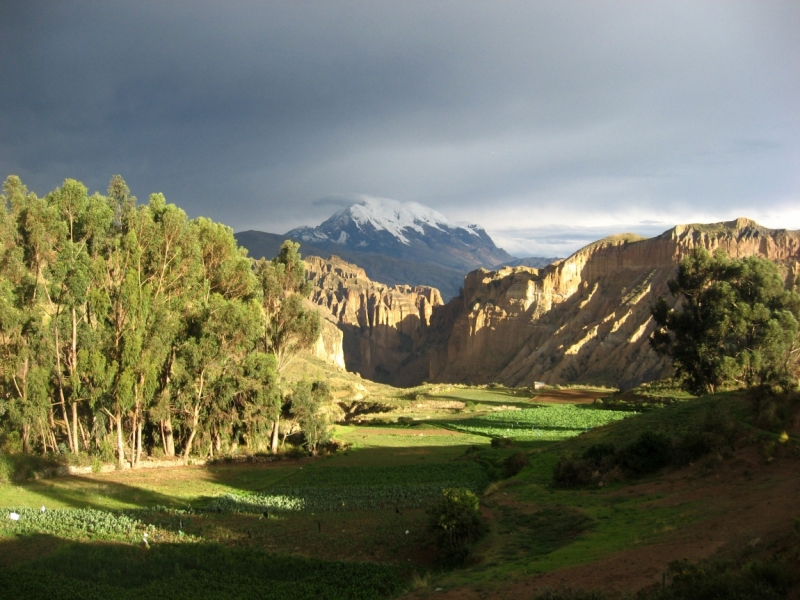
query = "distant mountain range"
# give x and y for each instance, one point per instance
(405, 230)
(396, 243)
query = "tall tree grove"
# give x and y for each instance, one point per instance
(127, 326)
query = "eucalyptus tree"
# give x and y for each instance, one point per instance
(155, 271)
(290, 324)
(24, 360)
(221, 328)
(132, 315)
(29, 232)
(86, 221)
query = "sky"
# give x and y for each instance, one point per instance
(551, 124)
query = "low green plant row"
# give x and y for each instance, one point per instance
(322, 499)
(72, 523)
(88, 523)
(546, 423)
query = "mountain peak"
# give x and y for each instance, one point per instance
(393, 216)
(406, 230)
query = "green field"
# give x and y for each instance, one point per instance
(543, 423)
(348, 525)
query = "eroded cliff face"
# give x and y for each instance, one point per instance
(330, 344)
(380, 325)
(585, 319)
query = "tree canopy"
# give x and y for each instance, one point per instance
(126, 326)
(735, 322)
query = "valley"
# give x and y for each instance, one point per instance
(364, 507)
(533, 393)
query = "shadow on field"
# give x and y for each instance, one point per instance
(198, 571)
(84, 492)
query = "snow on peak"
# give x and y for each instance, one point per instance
(472, 228)
(394, 216)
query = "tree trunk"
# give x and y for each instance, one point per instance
(190, 441)
(139, 444)
(74, 406)
(169, 438)
(134, 424)
(73, 366)
(66, 417)
(275, 430)
(61, 393)
(120, 442)
(26, 435)
(84, 437)
(43, 433)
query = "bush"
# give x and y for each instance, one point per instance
(503, 442)
(649, 453)
(515, 463)
(598, 452)
(762, 580)
(457, 523)
(6, 469)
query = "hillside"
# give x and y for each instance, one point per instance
(583, 319)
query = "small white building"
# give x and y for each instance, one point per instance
(539, 385)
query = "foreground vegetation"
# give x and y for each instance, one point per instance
(371, 506)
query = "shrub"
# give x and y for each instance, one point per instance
(503, 442)
(649, 453)
(515, 463)
(6, 469)
(598, 452)
(457, 523)
(755, 581)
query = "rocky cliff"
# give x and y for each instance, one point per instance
(380, 325)
(583, 319)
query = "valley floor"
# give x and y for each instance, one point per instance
(354, 524)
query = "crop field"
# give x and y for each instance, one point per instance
(352, 524)
(543, 423)
(356, 488)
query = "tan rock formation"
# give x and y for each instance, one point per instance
(329, 345)
(584, 319)
(380, 324)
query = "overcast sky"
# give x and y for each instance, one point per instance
(549, 123)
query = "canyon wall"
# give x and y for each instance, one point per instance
(585, 319)
(379, 325)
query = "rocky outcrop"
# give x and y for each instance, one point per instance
(380, 325)
(330, 343)
(583, 319)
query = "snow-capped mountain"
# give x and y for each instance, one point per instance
(406, 230)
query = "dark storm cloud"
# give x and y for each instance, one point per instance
(520, 116)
